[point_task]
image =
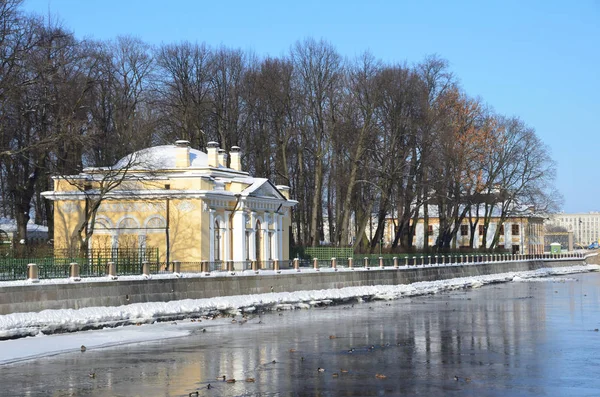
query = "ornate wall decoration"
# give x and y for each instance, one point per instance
(129, 223)
(69, 207)
(102, 223)
(156, 223)
(131, 207)
(186, 206)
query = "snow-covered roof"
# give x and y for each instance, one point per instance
(262, 187)
(161, 157)
(169, 163)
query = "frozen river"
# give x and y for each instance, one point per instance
(534, 338)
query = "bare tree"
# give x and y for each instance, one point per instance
(95, 185)
(183, 86)
(524, 182)
(456, 166)
(359, 143)
(269, 98)
(359, 128)
(42, 114)
(120, 119)
(318, 69)
(228, 69)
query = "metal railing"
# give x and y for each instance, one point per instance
(127, 262)
(47, 268)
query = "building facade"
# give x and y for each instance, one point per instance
(518, 234)
(584, 226)
(188, 204)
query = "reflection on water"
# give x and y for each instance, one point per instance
(525, 339)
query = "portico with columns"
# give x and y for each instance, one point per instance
(253, 231)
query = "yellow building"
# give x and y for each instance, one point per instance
(185, 202)
(518, 234)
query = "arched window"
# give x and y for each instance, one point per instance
(217, 242)
(155, 224)
(128, 224)
(258, 241)
(102, 224)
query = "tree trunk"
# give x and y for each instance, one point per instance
(316, 201)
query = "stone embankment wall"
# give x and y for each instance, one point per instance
(593, 258)
(75, 295)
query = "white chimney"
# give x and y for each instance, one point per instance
(236, 158)
(285, 190)
(182, 154)
(222, 157)
(212, 149)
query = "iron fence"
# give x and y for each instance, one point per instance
(341, 262)
(132, 263)
(321, 252)
(127, 261)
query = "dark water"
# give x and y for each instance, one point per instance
(516, 339)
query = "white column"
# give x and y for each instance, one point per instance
(226, 237)
(280, 236)
(252, 239)
(275, 238)
(266, 238)
(239, 236)
(211, 236)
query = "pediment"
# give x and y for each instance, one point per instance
(265, 190)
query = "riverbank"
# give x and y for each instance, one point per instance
(18, 325)
(24, 296)
(528, 338)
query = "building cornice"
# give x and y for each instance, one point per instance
(133, 174)
(160, 194)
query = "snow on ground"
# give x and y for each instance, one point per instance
(12, 351)
(10, 225)
(48, 322)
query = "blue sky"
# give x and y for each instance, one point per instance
(538, 60)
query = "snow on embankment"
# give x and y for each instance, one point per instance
(68, 320)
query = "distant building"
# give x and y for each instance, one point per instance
(565, 239)
(183, 201)
(584, 226)
(522, 234)
(518, 235)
